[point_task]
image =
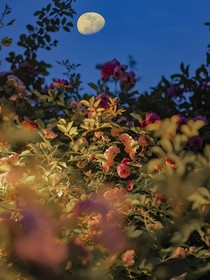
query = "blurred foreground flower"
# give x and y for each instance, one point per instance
(104, 217)
(196, 142)
(35, 238)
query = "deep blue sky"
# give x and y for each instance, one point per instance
(159, 34)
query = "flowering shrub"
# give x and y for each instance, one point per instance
(89, 193)
(91, 190)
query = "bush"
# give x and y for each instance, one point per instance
(98, 186)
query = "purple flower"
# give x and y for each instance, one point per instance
(200, 118)
(182, 120)
(128, 79)
(105, 102)
(196, 142)
(117, 73)
(115, 62)
(170, 91)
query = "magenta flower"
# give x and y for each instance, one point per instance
(196, 142)
(150, 118)
(126, 160)
(107, 71)
(143, 123)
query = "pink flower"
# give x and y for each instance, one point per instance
(49, 134)
(129, 185)
(143, 141)
(180, 253)
(123, 170)
(160, 198)
(128, 258)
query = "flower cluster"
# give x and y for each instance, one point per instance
(96, 184)
(104, 213)
(130, 144)
(109, 155)
(19, 89)
(117, 72)
(60, 83)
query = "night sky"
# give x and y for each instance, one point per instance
(159, 34)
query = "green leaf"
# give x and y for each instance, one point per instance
(136, 116)
(69, 126)
(93, 86)
(66, 28)
(30, 27)
(11, 22)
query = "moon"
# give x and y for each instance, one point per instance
(90, 23)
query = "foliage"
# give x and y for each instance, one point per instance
(50, 19)
(5, 41)
(106, 186)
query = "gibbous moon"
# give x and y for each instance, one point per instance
(90, 23)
